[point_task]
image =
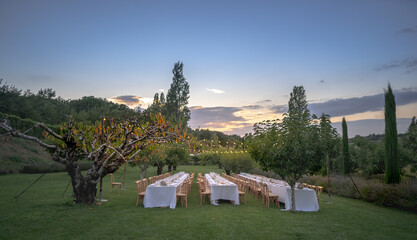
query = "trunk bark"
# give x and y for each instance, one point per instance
(328, 177)
(124, 177)
(227, 172)
(159, 170)
(169, 167)
(293, 208)
(84, 188)
(174, 167)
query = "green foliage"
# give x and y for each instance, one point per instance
(46, 108)
(392, 166)
(210, 159)
(177, 97)
(328, 142)
(236, 162)
(368, 156)
(410, 144)
(345, 148)
(289, 147)
(403, 195)
(175, 155)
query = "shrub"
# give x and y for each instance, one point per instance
(403, 195)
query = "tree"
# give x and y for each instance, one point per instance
(345, 148)
(177, 97)
(175, 155)
(157, 157)
(392, 166)
(410, 143)
(107, 147)
(287, 147)
(328, 140)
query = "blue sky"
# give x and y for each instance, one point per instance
(253, 52)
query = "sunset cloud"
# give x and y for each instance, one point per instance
(361, 110)
(131, 101)
(215, 91)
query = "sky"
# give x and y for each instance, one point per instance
(241, 58)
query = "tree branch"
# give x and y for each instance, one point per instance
(15, 133)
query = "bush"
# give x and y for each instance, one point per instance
(403, 195)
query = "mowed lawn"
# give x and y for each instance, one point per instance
(45, 212)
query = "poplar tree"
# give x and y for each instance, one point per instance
(177, 97)
(345, 148)
(392, 166)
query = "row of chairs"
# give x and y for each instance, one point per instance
(143, 184)
(159, 177)
(260, 189)
(203, 188)
(182, 191)
(185, 189)
(242, 186)
(318, 190)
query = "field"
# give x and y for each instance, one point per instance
(45, 212)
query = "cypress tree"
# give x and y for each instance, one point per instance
(345, 148)
(392, 167)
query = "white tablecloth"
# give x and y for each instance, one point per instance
(305, 199)
(164, 196)
(222, 189)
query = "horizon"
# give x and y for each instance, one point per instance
(241, 58)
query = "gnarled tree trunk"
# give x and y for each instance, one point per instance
(84, 188)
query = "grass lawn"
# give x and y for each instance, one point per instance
(44, 212)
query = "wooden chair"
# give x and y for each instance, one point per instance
(203, 192)
(113, 183)
(183, 193)
(151, 180)
(141, 185)
(242, 191)
(318, 189)
(256, 189)
(268, 196)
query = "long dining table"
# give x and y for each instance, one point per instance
(305, 199)
(221, 189)
(163, 193)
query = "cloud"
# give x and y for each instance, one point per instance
(216, 91)
(370, 126)
(202, 115)
(322, 81)
(409, 64)
(279, 108)
(230, 120)
(131, 101)
(161, 90)
(408, 30)
(264, 101)
(253, 107)
(349, 106)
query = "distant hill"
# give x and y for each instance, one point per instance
(16, 153)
